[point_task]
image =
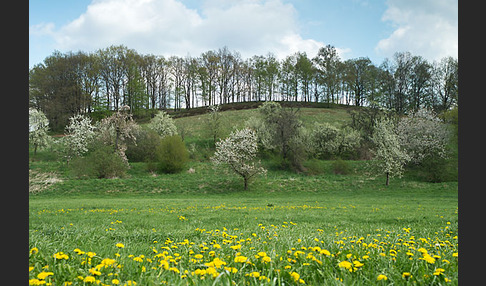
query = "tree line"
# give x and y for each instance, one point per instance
(99, 82)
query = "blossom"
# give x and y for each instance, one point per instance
(241, 259)
(345, 264)
(295, 276)
(89, 279)
(120, 245)
(61, 255)
(406, 275)
(115, 281)
(438, 271)
(43, 275)
(381, 277)
(34, 250)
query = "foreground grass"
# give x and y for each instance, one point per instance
(203, 229)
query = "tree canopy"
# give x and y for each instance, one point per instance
(92, 83)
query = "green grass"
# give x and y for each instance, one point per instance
(280, 214)
(292, 228)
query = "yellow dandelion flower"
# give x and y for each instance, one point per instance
(295, 276)
(381, 277)
(241, 259)
(89, 279)
(34, 250)
(120, 245)
(43, 275)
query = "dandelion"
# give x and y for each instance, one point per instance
(79, 251)
(255, 274)
(60, 255)
(345, 264)
(34, 250)
(120, 245)
(406, 275)
(43, 275)
(89, 279)
(295, 276)
(381, 277)
(115, 281)
(438, 271)
(241, 259)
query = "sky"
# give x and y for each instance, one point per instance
(356, 28)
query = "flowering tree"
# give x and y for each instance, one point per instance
(117, 129)
(238, 152)
(389, 157)
(423, 136)
(163, 124)
(38, 127)
(79, 133)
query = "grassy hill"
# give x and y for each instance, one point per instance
(202, 228)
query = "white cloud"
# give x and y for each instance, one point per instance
(168, 27)
(428, 28)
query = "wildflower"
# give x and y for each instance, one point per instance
(381, 277)
(345, 264)
(94, 272)
(43, 275)
(325, 252)
(212, 271)
(91, 254)
(255, 274)
(79, 251)
(89, 279)
(438, 271)
(120, 245)
(357, 263)
(241, 259)
(266, 259)
(175, 270)
(406, 275)
(36, 282)
(60, 255)
(34, 250)
(107, 261)
(428, 258)
(295, 276)
(231, 269)
(115, 281)
(138, 259)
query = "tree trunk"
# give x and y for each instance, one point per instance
(387, 179)
(246, 183)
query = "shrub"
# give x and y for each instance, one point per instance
(102, 162)
(171, 155)
(144, 149)
(341, 167)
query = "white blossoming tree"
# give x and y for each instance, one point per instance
(79, 133)
(238, 152)
(389, 156)
(38, 127)
(423, 136)
(117, 130)
(163, 124)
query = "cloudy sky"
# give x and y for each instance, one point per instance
(357, 28)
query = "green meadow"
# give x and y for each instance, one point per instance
(202, 228)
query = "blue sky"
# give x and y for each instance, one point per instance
(357, 28)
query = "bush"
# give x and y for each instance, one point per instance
(171, 155)
(102, 162)
(144, 149)
(341, 167)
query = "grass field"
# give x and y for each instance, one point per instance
(202, 228)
